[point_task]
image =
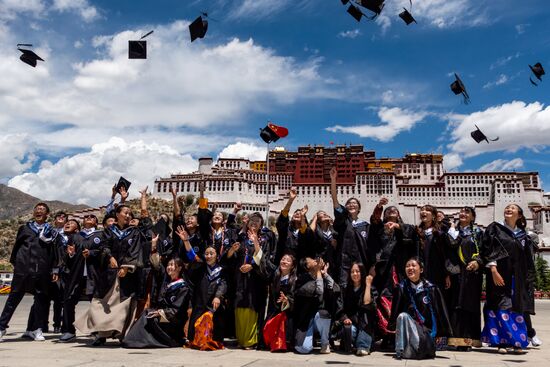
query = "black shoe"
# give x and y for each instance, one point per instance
(98, 342)
(56, 330)
(398, 356)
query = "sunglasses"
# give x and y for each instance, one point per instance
(89, 216)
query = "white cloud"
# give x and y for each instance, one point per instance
(10, 8)
(502, 79)
(88, 12)
(394, 121)
(438, 13)
(504, 60)
(521, 28)
(517, 125)
(181, 85)
(249, 151)
(350, 34)
(87, 178)
(17, 155)
(258, 8)
(452, 161)
(500, 165)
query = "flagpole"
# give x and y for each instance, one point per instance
(267, 190)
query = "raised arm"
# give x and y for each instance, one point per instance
(367, 298)
(333, 188)
(176, 205)
(291, 197)
(144, 211)
(313, 223)
(184, 236)
(376, 216)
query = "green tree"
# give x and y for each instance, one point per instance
(542, 270)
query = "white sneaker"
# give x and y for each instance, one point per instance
(325, 349)
(535, 341)
(37, 335)
(2, 333)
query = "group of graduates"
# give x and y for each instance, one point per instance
(338, 282)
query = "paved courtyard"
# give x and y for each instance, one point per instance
(19, 352)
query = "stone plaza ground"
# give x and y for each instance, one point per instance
(15, 351)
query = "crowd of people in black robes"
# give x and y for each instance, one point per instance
(337, 283)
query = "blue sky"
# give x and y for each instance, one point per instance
(89, 115)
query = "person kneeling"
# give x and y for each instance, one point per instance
(163, 327)
(358, 316)
(418, 315)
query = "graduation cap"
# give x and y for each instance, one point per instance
(355, 12)
(198, 28)
(479, 136)
(272, 133)
(122, 182)
(375, 6)
(538, 71)
(458, 88)
(138, 49)
(28, 56)
(407, 16)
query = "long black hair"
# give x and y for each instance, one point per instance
(291, 277)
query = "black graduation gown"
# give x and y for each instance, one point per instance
(294, 241)
(154, 332)
(513, 255)
(221, 241)
(127, 247)
(206, 287)
(251, 287)
(165, 246)
(74, 266)
(353, 244)
(433, 252)
(362, 316)
(195, 239)
(396, 247)
(326, 242)
(34, 260)
(422, 302)
(464, 306)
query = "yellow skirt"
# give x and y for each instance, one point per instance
(246, 327)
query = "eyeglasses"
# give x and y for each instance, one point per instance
(89, 216)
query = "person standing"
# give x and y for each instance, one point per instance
(464, 307)
(35, 260)
(508, 252)
(82, 262)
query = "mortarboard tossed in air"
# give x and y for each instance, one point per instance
(122, 182)
(198, 28)
(138, 49)
(28, 56)
(458, 88)
(479, 136)
(375, 6)
(272, 133)
(538, 71)
(407, 16)
(355, 12)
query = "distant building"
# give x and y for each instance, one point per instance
(408, 182)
